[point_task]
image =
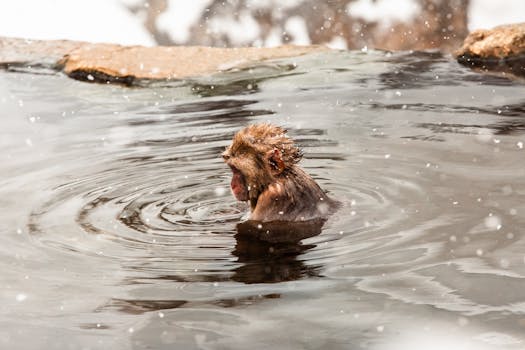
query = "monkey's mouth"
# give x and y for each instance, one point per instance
(238, 185)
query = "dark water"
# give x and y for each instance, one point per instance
(118, 230)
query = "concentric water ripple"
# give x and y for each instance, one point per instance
(173, 211)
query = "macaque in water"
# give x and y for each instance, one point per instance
(263, 160)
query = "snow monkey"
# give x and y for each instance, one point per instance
(265, 172)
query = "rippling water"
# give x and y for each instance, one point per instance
(119, 230)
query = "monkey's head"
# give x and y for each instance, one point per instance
(258, 156)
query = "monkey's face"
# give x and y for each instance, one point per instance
(255, 157)
(238, 185)
(250, 173)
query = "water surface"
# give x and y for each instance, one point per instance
(119, 231)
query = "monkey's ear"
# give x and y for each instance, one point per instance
(275, 159)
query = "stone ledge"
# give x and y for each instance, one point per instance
(500, 49)
(126, 64)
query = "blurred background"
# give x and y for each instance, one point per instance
(341, 24)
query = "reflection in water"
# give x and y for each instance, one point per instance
(140, 306)
(118, 222)
(411, 71)
(284, 232)
(503, 126)
(423, 69)
(269, 251)
(241, 85)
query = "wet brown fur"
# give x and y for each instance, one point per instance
(278, 189)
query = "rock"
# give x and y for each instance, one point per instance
(499, 49)
(22, 52)
(128, 64)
